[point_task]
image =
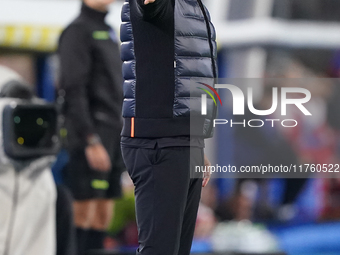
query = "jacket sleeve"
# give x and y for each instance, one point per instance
(75, 66)
(155, 10)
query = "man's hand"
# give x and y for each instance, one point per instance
(97, 157)
(207, 173)
(149, 2)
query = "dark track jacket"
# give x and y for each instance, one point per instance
(168, 47)
(91, 76)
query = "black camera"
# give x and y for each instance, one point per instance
(30, 129)
(29, 125)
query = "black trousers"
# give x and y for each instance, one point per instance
(167, 198)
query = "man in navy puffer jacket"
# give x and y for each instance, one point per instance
(167, 47)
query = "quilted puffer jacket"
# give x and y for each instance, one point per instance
(169, 51)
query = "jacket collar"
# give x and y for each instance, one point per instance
(92, 13)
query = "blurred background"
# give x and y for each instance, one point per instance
(256, 39)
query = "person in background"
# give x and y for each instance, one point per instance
(28, 194)
(91, 87)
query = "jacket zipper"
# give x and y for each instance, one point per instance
(212, 58)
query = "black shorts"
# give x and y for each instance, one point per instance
(86, 183)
